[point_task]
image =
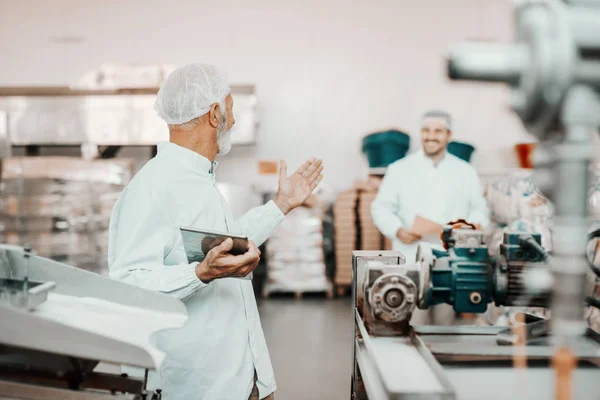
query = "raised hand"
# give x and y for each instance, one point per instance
(296, 188)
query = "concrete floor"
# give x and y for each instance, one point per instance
(310, 343)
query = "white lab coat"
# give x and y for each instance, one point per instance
(442, 193)
(214, 356)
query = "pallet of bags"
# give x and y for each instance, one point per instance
(295, 256)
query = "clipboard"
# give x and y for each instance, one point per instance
(429, 230)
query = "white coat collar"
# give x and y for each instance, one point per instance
(187, 157)
(428, 160)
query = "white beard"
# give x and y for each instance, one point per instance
(224, 143)
(223, 137)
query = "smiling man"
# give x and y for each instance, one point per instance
(431, 183)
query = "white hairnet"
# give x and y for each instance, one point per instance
(439, 116)
(189, 91)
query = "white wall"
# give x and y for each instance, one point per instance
(327, 71)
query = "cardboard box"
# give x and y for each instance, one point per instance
(366, 197)
(349, 232)
(345, 232)
(344, 212)
(370, 237)
(349, 204)
(268, 167)
(345, 277)
(343, 281)
(387, 243)
(344, 260)
(369, 231)
(372, 246)
(370, 185)
(344, 215)
(346, 246)
(347, 198)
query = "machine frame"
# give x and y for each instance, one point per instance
(435, 362)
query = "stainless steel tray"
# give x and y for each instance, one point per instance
(12, 293)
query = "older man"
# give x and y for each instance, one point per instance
(431, 183)
(220, 354)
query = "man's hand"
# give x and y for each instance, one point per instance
(407, 236)
(220, 264)
(296, 188)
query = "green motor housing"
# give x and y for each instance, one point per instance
(468, 278)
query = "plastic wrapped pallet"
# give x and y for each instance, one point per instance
(516, 205)
(296, 261)
(61, 206)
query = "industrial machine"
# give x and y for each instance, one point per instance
(68, 334)
(394, 360)
(465, 276)
(554, 71)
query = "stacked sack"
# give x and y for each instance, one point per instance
(61, 206)
(295, 253)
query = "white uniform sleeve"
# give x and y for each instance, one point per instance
(137, 249)
(478, 208)
(258, 223)
(385, 207)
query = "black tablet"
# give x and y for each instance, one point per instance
(198, 242)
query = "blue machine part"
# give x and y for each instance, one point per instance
(513, 249)
(464, 276)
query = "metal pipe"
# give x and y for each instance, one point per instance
(567, 298)
(529, 242)
(585, 28)
(569, 266)
(488, 62)
(588, 73)
(572, 181)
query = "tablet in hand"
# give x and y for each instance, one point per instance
(198, 242)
